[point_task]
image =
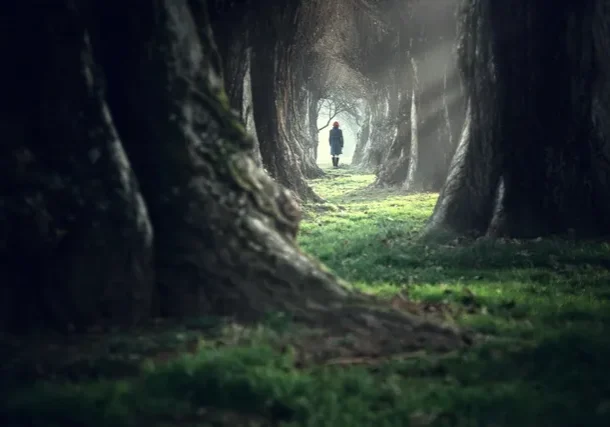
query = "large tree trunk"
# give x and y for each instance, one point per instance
(454, 108)
(394, 170)
(230, 25)
(224, 230)
(269, 62)
(299, 131)
(75, 236)
(533, 159)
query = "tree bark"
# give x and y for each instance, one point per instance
(299, 131)
(279, 158)
(248, 116)
(533, 159)
(106, 78)
(395, 168)
(76, 245)
(270, 57)
(313, 103)
(230, 22)
(362, 137)
(382, 128)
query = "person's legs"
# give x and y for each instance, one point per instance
(336, 161)
(333, 153)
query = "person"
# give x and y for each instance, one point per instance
(335, 140)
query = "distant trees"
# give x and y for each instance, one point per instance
(372, 52)
(333, 89)
(261, 55)
(295, 61)
(430, 108)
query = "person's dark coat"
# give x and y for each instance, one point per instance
(335, 139)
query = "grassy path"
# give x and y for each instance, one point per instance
(542, 305)
(541, 309)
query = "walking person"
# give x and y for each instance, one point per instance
(335, 140)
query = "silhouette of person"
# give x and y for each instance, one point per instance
(335, 140)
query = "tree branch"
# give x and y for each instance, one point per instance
(332, 115)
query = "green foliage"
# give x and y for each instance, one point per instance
(541, 310)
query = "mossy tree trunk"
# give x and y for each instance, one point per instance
(80, 212)
(533, 158)
(230, 23)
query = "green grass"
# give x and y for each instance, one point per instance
(541, 310)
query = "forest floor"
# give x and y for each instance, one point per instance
(541, 309)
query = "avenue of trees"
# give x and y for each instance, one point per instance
(387, 66)
(131, 187)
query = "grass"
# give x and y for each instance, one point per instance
(541, 310)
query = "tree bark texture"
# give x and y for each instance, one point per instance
(299, 131)
(313, 103)
(395, 167)
(363, 136)
(230, 22)
(533, 159)
(248, 116)
(271, 80)
(123, 132)
(76, 240)
(381, 127)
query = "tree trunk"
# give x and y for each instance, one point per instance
(535, 76)
(279, 158)
(362, 137)
(382, 130)
(299, 132)
(248, 116)
(395, 168)
(230, 26)
(454, 108)
(224, 231)
(313, 103)
(76, 241)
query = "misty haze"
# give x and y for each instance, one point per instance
(348, 213)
